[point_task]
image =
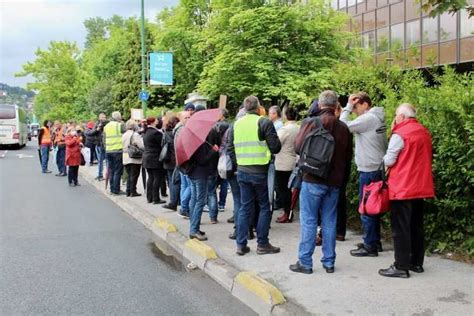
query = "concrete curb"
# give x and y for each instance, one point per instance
(254, 291)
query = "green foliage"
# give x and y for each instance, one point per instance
(15, 95)
(436, 7)
(445, 106)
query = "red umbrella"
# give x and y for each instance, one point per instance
(194, 133)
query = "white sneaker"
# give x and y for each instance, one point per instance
(206, 208)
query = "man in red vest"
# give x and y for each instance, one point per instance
(409, 157)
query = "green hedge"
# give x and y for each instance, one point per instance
(445, 104)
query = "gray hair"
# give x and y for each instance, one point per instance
(275, 108)
(406, 109)
(116, 116)
(328, 98)
(131, 124)
(251, 103)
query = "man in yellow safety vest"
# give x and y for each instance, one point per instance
(251, 142)
(113, 148)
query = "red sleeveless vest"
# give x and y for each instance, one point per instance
(411, 177)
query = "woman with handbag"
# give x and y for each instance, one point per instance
(169, 161)
(152, 140)
(73, 156)
(132, 156)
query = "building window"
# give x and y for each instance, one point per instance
(397, 13)
(467, 24)
(368, 40)
(430, 30)
(397, 34)
(371, 4)
(334, 4)
(351, 3)
(381, 3)
(369, 21)
(383, 41)
(413, 33)
(357, 24)
(383, 17)
(447, 30)
(412, 9)
(342, 4)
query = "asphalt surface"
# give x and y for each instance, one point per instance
(70, 250)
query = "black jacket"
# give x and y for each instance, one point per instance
(152, 139)
(267, 133)
(169, 139)
(205, 159)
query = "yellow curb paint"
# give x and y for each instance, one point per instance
(165, 225)
(262, 288)
(201, 249)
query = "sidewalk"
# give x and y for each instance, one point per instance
(446, 287)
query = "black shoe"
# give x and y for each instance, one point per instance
(164, 195)
(300, 269)
(267, 249)
(58, 174)
(379, 246)
(170, 207)
(202, 233)
(242, 250)
(184, 215)
(63, 174)
(393, 272)
(77, 184)
(135, 194)
(159, 202)
(328, 269)
(417, 269)
(198, 236)
(233, 236)
(128, 193)
(99, 178)
(231, 220)
(364, 251)
(47, 171)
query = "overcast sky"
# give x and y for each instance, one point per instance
(26, 25)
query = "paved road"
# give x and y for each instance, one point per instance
(70, 250)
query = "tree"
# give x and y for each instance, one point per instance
(436, 7)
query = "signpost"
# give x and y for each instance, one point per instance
(143, 96)
(161, 69)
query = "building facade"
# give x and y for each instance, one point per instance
(398, 31)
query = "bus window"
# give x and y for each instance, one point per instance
(7, 112)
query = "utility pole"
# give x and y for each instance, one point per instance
(142, 33)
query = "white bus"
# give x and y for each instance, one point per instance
(13, 127)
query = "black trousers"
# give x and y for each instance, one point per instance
(283, 193)
(72, 174)
(163, 184)
(155, 178)
(133, 172)
(342, 212)
(408, 233)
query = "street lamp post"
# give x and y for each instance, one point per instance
(142, 34)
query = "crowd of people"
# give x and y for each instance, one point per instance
(269, 163)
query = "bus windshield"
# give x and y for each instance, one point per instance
(7, 112)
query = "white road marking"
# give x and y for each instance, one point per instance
(2, 155)
(21, 156)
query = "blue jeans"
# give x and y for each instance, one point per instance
(61, 159)
(173, 188)
(235, 188)
(185, 192)
(253, 187)
(198, 200)
(317, 200)
(224, 184)
(44, 157)
(115, 165)
(212, 196)
(371, 224)
(100, 152)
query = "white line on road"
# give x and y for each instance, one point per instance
(21, 156)
(2, 155)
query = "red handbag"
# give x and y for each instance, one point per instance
(375, 199)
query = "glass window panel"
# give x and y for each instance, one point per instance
(371, 4)
(413, 33)
(381, 3)
(369, 21)
(467, 49)
(382, 40)
(397, 34)
(342, 4)
(430, 30)
(350, 3)
(413, 56)
(430, 55)
(334, 4)
(394, 1)
(447, 29)
(368, 40)
(447, 53)
(412, 9)
(397, 13)
(357, 24)
(467, 24)
(382, 17)
(360, 1)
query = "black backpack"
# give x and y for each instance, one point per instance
(317, 151)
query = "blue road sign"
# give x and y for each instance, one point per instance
(143, 95)
(161, 69)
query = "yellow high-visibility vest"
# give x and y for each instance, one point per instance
(249, 149)
(113, 137)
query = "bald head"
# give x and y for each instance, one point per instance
(184, 116)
